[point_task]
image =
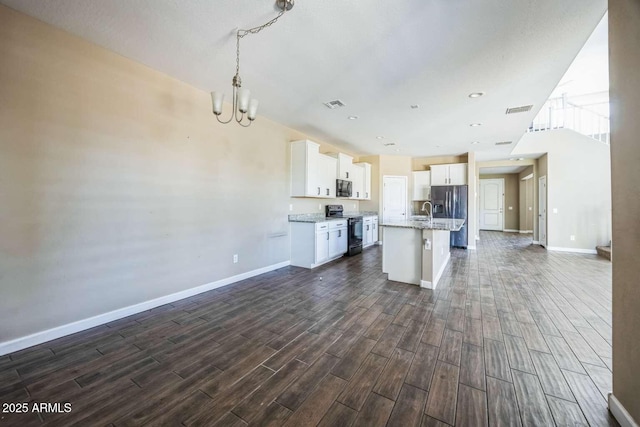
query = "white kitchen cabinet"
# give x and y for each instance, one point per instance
(369, 231)
(357, 181)
(313, 244)
(366, 181)
(421, 185)
(345, 165)
(312, 174)
(338, 244)
(375, 230)
(453, 174)
(322, 244)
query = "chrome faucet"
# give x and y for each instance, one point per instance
(430, 210)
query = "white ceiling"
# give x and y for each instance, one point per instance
(377, 56)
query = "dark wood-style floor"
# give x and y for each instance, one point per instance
(513, 336)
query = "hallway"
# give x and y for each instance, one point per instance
(514, 335)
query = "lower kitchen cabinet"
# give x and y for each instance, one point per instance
(313, 244)
(369, 231)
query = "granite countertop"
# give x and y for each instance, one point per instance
(318, 217)
(438, 224)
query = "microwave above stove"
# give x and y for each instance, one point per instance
(343, 188)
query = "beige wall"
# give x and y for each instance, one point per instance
(511, 199)
(118, 186)
(624, 39)
(423, 163)
(578, 171)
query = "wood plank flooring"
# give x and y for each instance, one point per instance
(514, 335)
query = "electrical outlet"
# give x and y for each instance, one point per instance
(530, 208)
(573, 238)
(319, 206)
(354, 206)
(235, 258)
(510, 208)
(290, 208)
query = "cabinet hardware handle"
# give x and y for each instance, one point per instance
(339, 233)
(327, 191)
(318, 191)
(327, 236)
(347, 173)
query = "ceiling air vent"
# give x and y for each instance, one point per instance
(522, 109)
(336, 103)
(504, 142)
(389, 144)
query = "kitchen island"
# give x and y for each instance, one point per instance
(417, 252)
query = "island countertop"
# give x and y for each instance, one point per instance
(437, 224)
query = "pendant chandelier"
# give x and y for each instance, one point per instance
(243, 105)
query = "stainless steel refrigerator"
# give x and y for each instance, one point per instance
(451, 201)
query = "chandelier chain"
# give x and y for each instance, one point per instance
(242, 33)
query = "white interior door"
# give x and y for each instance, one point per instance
(394, 198)
(542, 210)
(492, 204)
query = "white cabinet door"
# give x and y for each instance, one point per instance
(375, 236)
(345, 163)
(367, 239)
(322, 246)
(337, 242)
(453, 174)
(440, 175)
(366, 181)
(357, 174)
(304, 169)
(328, 172)
(421, 185)
(458, 174)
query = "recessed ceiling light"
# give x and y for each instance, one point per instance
(415, 106)
(475, 142)
(473, 125)
(476, 94)
(379, 137)
(353, 117)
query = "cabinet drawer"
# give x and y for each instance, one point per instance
(337, 224)
(368, 219)
(322, 226)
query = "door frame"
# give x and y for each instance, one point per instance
(480, 201)
(406, 194)
(542, 191)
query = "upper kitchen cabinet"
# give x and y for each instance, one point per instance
(421, 185)
(366, 184)
(345, 166)
(453, 174)
(312, 174)
(357, 179)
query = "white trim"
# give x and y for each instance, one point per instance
(81, 325)
(536, 242)
(525, 231)
(429, 285)
(620, 413)
(576, 250)
(473, 248)
(508, 230)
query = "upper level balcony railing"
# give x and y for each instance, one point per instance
(559, 113)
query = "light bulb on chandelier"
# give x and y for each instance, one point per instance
(242, 102)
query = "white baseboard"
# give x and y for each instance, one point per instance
(576, 250)
(509, 230)
(525, 231)
(81, 325)
(620, 413)
(429, 285)
(536, 242)
(473, 248)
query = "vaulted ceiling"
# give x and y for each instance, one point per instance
(378, 57)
